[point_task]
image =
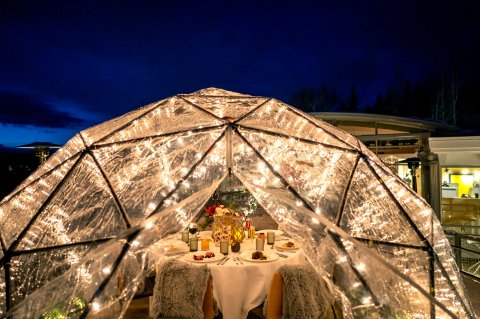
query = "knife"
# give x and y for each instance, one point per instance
(224, 261)
(221, 260)
(282, 255)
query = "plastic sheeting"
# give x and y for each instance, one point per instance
(146, 175)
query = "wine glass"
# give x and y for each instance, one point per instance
(192, 228)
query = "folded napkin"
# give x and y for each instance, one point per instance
(179, 290)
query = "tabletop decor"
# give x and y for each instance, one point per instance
(227, 223)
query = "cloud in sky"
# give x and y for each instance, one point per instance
(23, 109)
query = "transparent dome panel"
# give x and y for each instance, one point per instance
(277, 117)
(105, 129)
(33, 270)
(417, 209)
(331, 130)
(318, 174)
(372, 213)
(449, 295)
(67, 152)
(209, 170)
(2, 293)
(72, 292)
(17, 212)
(175, 116)
(226, 106)
(143, 173)
(413, 263)
(212, 91)
(82, 209)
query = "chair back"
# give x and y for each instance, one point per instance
(275, 301)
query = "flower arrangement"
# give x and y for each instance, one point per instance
(219, 210)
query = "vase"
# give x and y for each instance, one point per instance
(227, 228)
(221, 228)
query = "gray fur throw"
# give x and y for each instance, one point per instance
(305, 293)
(179, 290)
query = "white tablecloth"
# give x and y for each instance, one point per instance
(239, 288)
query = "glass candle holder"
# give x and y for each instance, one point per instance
(224, 246)
(235, 246)
(194, 244)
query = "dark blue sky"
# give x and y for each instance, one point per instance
(66, 65)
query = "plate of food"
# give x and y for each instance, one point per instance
(202, 257)
(258, 256)
(277, 232)
(286, 245)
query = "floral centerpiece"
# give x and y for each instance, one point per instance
(227, 223)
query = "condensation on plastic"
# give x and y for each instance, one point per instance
(279, 118)
(123, 175)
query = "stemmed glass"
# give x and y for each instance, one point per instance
(192, 228)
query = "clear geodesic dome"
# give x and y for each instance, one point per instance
(76, 234)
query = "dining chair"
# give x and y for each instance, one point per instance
(274, 305)
(182, 290)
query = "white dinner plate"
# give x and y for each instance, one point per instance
(247, 255)
(280, 245)
(189, 257)
(277, 232)
(170, 247)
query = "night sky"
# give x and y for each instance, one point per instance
(67, 65)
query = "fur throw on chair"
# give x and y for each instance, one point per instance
(305, 293)
(179, 290)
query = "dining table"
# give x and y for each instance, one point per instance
(240, 282)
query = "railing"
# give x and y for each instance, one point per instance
(466, 247)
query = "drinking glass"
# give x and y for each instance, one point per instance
(194, 244)
(185, 237)
(270, 237)
(260, 243)
(192, 228)
(251, 234)
(205, 244)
